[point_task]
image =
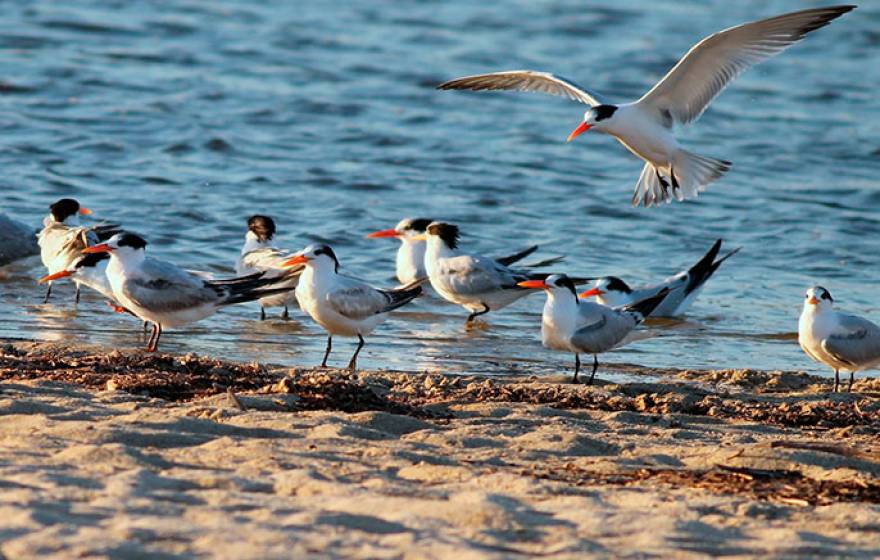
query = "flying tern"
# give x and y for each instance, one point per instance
(645, 127)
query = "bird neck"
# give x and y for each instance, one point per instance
(253, 243)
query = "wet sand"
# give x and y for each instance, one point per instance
(127, 454)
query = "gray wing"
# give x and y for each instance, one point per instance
(714, 62)
(856, 341)
(358, 301)
(166, 288)
(602, 327)
(473, 274)
(525, 80)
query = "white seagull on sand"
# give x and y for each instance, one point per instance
(645, 127)
(841, 341)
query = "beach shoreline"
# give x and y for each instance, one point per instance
(124, 453)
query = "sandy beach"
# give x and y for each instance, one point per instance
(129, 455)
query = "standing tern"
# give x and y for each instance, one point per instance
(341, 304)
(259, 255)
(168, 296)
(644, 127)
(684, 287)
(410, 264)
(63, 239)
(844, 342)
(572, 325)
(477, 283)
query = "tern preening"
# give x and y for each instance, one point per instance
(477, 283)
(341, 304)
(572, 325)
(645, 126)
(168, 296)
(684, 287)
(410, 264)
(63, 239)
(841, 341)
(259, 255)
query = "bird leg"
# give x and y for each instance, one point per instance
(675, 185)
(595, 367)
(76, 300)
(663, 183)
(48, 293)
(476, 314)
(327, 351)
(262, 313)
(352, 364)
(852, 375)
(577, 367)
(146, 324)
(152, 336)
(836, 379)
(154, 340)
(286, 314)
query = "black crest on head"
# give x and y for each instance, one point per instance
(447, 232)
(419, 224)
(132, 240)
(262, 226)
(565, 282)
(824, 294)
(326, 250)
(64, 208)
(604, 111)
(91, 259)
(616, 284)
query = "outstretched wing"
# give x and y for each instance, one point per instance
(710, 65)
(525, 80)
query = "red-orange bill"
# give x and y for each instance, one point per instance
(533, 284)
(56, 276)
(383, 233)
(299, 259)
(99, 248)
(592, 292)
(583, 127)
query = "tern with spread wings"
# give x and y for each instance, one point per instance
(645, 127)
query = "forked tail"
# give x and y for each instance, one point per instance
(688, 174)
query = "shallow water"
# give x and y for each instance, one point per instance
(179, 122)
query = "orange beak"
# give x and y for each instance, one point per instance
(99, 248)
(84, 211)
(592, 292)
(383, 233)
(533, 284)
(56, 276)
(813, 300)
(579, 130)
(299, 259)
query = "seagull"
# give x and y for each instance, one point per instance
(411, 253)
(259, 255)
(573, 325)
(844, 342)
(16, 240)
(684, 287)
(410, 264)
(477, 283)
(645, 127)
(341, 304)
(62, 238)
(167, 296)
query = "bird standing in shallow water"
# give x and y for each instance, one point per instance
(341, 304)
(259, 255)
(844, 342)
(644, 127)
(572, 325)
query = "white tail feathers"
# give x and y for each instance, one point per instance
(687, 175)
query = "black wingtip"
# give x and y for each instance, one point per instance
(646, 306)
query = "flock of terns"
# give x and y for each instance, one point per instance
(114, 262)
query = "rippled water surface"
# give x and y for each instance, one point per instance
(181, 119)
